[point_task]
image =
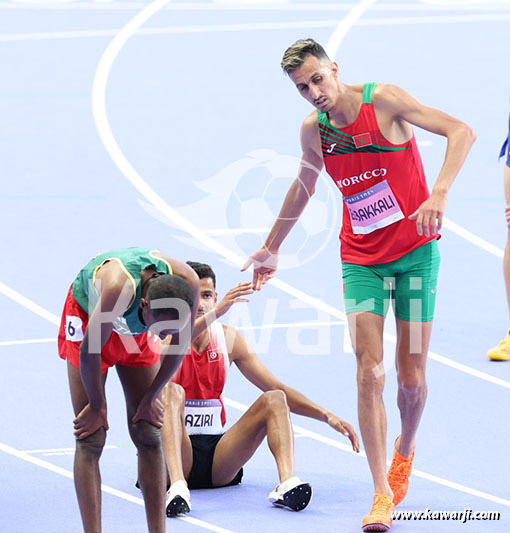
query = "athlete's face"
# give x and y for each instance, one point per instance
(159, 326)
(317, 82)
(208, 296)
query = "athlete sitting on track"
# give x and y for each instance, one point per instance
(198, 453)
(111, 304)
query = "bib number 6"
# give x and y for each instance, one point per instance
(74, 328)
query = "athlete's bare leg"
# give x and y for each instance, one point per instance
(413, 340)
(176, 442)
(367, 336)
(269, 415)
(147, 439)
(87, 479)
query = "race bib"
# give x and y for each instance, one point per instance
(373, 209)
(74, 328)
(203, 417)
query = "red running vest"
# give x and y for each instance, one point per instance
(381, 184)
(203, 376)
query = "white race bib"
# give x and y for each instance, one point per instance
(203, 417)
(373, 209)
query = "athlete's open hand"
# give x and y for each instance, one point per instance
(429, 216)
(150, 410)
(264, 264)
(89, 421)
(345, 429)
(234, 296)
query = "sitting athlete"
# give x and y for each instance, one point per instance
(113, 302)
(198, 453)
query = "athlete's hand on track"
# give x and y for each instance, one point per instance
(150, 410)
(507, 214)
(264, 264)
(345, 429)
(234, 296)
(429, 216)
(89, 421)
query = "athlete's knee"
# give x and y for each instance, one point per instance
(371, 375)
(412, 384)
(173, 396)
(274, 402)
(92, 446)
(145, 435)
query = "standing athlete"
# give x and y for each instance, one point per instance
(199, 453)
(113, 302)
(502, 351)
(363, 135)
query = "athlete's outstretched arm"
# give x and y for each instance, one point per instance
(402, 106)
(254, 371)
(265, 260)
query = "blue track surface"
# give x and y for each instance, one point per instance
(198, 107)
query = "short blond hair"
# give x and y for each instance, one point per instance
(295, 55)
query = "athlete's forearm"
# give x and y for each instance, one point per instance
(90, 370)
(459, 144)
(299, 404)
(293, 205)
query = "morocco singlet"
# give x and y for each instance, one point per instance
(381, 183)
(203, 376)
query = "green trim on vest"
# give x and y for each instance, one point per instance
(132, 261)
(368, 91)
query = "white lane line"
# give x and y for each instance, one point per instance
(25, 302)
(30, 341)
(472, 238)
(259, 26)
(418, 473)
(310, 324)
(104, 488)
(345, 25)
(436, 19)
(439, 5)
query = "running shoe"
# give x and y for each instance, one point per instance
(379, 517)
(398, 474)
(502, 351)
(178, 499)
(293, 494)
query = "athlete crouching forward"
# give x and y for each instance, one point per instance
(113, 302)
(198, 453)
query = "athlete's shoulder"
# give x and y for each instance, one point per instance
(391, 97)
(236, 343)
(310, 137)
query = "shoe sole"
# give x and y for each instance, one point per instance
(376, 527)
(297, 498)
(498, 357)
(177, 506)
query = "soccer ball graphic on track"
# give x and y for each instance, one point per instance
(241, 202)
(255, 203)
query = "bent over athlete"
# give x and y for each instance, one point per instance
(113, 302)
(363, 135)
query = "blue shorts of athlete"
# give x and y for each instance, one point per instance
(409, 283)
(504, 148)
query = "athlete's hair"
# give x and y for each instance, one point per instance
(169, 286)
(203, 271)
(295, 55)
